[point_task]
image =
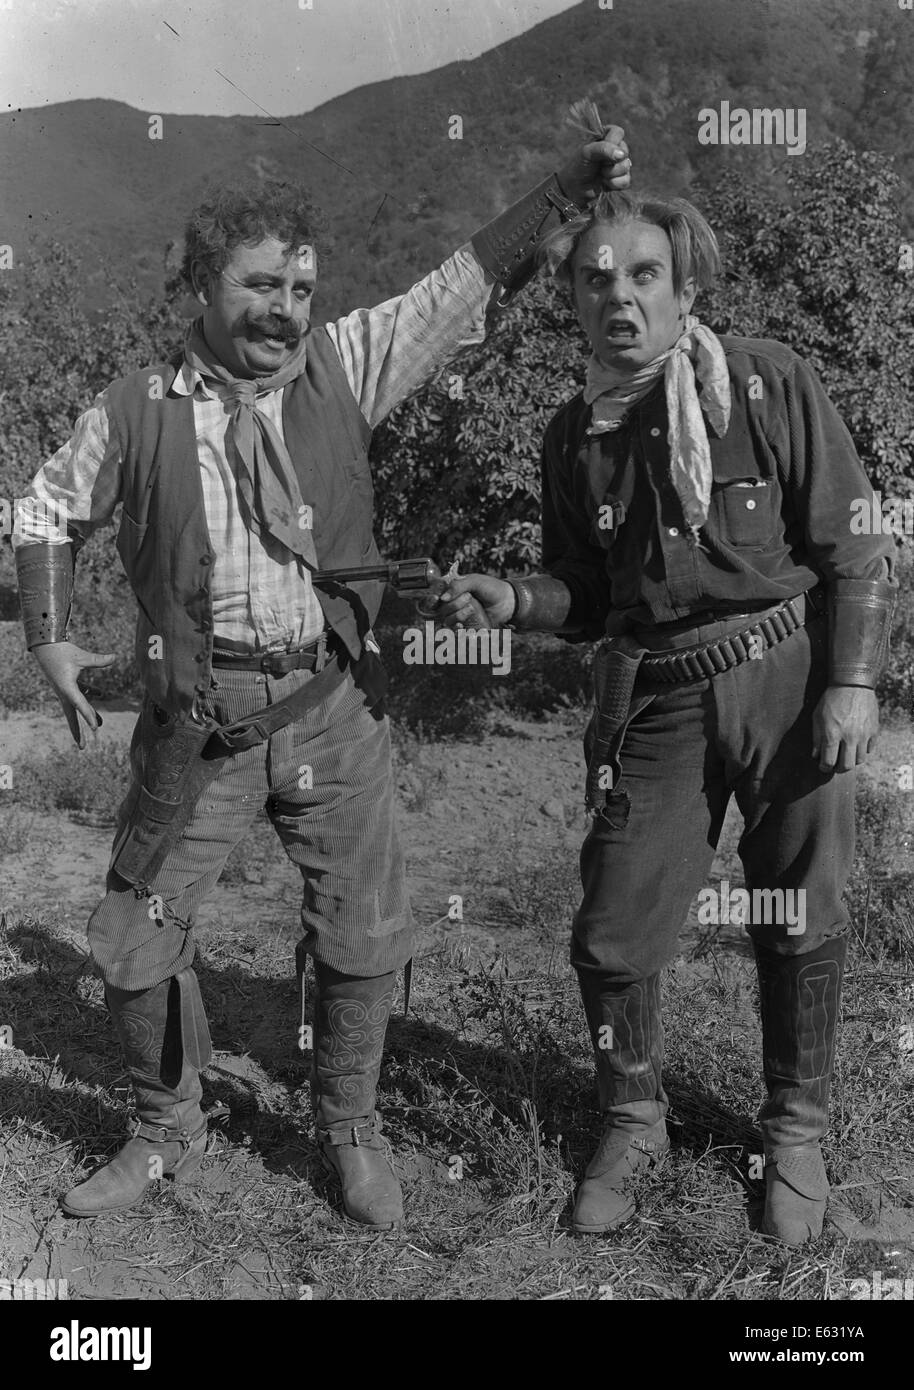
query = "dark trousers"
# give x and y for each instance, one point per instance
(685, 751)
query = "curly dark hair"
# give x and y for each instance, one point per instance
(242, 214)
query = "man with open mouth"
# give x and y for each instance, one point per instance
(697, 501)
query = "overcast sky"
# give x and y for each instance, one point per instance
(290, 58)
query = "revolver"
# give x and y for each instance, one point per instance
(421, 578)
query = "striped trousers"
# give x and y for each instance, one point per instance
(326, 784)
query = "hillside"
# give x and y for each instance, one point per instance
(87, 172)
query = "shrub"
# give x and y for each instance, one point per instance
(457, 465)
(878, 896)
(74, 780)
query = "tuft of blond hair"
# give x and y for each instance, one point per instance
(584, 117)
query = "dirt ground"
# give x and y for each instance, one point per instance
(469, 813)
(475, 818)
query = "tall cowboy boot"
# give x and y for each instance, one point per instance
(799, 999)
(627, 1034)
(165, 1038)
(351, 1021)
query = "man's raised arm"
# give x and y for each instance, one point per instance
(390, 350)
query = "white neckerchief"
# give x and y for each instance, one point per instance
(696, 355)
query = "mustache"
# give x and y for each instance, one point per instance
(290, 332)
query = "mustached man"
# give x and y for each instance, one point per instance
(239, 468)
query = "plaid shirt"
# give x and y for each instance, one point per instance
(262, 594)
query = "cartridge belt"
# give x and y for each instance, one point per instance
(709, 659)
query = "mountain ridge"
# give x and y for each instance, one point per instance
(847, 62)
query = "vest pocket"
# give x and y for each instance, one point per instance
(132, 527)
(130, 538)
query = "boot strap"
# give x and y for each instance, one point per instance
(160, 1134)
(356, 1135)
(647, 1146)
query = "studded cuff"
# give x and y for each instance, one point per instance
(45, 575)
(506, 246)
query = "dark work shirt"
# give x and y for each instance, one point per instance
(784, 477)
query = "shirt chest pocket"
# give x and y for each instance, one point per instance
(745, 512)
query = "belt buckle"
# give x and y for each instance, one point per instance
(274, 663)
(195, 712)
(320, 660)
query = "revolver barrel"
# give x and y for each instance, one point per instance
(407, 576)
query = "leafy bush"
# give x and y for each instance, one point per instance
(878, 896)
(72, 780)
(55, 356)
(820, 271)
(457, 466)
(896, 688)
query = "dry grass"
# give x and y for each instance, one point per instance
(488, 1100)
(72, 780)
(492, 1069)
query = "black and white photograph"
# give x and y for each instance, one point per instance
(457, 668)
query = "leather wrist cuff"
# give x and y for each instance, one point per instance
(45, 575)
(542, 604)
(860, 620)
(506, 246)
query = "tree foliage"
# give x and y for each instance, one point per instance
(457, 467)
(55, 356)
(458, 474)
(822, 272)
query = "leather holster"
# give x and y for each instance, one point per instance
(175, 772)
(615, 670)
(181, 755)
